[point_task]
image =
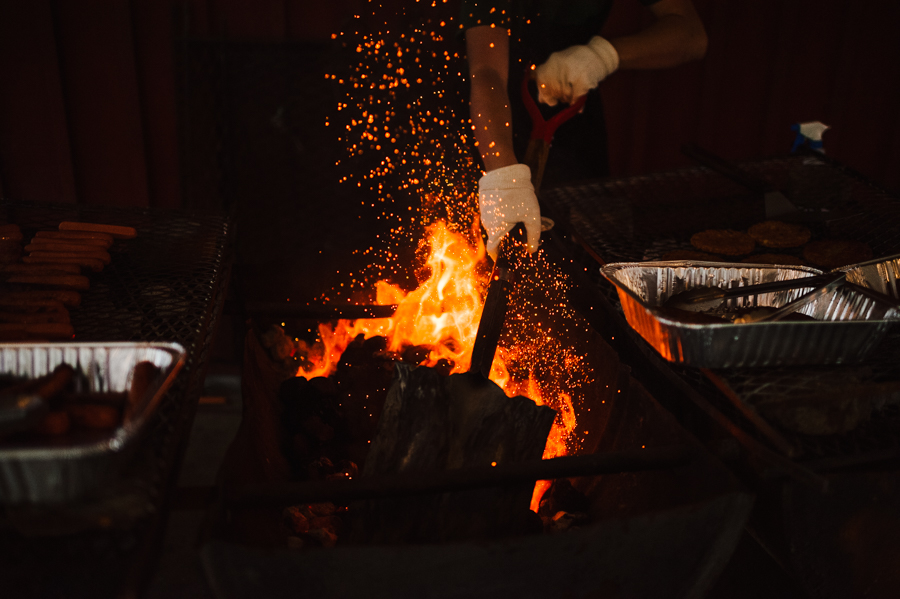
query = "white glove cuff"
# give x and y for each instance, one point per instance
(514, 176)
(606, 52)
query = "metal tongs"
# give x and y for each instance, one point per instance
(709, 298)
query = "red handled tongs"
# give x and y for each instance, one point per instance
(542, 130)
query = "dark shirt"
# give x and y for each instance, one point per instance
(537, 29)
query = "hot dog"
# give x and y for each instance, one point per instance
(116, 231)
(48, 268)
(93, 416)
(100, 255)
(61, 281)
(44, 245)
(50, 330)
(66, 297)
(93, 263)
(91, 237)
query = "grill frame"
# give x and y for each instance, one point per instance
(111, 542)
(614, 221)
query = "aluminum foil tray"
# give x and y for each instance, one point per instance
(881, 274)
(52, 474)
(849, 324)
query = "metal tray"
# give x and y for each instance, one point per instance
(880, 275)
(53, 474)
(849, 324)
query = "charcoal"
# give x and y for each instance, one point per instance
(314, 423)
(563, 521)
(415, 354)
(345, 469)
(320, 469)
(295, 520)
(363, 377)
(444, 367)
(562, 497)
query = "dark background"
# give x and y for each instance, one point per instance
(95, 94)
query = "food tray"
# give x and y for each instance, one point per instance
(52, 474)
(880, 275)
(849, 324)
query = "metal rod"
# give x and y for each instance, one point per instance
(419, 483)
(321, 312)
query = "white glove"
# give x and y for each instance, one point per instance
(571, 73)
(506, 197)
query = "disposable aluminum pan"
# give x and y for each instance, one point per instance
(881, 274)
(848, 324)
(53, 474)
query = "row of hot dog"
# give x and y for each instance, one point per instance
(42, 279)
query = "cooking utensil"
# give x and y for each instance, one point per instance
(702, 299)
(542, 130)
(825, 287)
(494, 313)
(778, 207)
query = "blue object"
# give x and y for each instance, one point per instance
(801, 139)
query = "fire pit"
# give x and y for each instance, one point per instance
(679, 523)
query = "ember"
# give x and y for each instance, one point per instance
(402, 110)
(440, 319)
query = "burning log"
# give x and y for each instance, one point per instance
(432, 422)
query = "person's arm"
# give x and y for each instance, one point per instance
(487, 49)
(505, 193)
(676, 36)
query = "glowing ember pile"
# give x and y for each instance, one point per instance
(404, 136)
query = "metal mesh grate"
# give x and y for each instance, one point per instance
(641, 218)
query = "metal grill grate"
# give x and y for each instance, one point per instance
(641, 218)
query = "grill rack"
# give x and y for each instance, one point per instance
(642, 217)
(167, 284)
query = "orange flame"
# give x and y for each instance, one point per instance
(442, 314)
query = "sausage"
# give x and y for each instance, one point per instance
(35, 317)
(89, 237)
(116, 231)
(49, 268)
(49, 330)
(43, 245)
(62, 281)
(55, 422)
(89, 262)
(100, 255)
(110, 398)
(39, 297)
(27, 304)
(142, 377)
(94, 416)
(54, 383)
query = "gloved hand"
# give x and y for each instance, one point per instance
(506, 197)
(571, 73)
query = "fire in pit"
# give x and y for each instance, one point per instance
(437, 323)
